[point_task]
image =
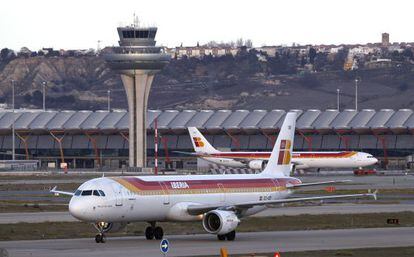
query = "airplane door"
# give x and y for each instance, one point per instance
(166, 195)
(118, 194)
(222, 192)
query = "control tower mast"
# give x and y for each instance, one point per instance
(137, 60)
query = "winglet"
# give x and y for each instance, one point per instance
(374, 194)
(54, 191)
(57, 192)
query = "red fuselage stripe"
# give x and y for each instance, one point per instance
(141, 185)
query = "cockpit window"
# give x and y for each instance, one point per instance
(89, 192)
(86, 192)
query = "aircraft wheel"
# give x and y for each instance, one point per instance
(149, 233)
(231, 235)
(158, 233)
(221, 237)
(100, 238)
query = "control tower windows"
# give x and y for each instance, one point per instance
(141, 34)
(128, 34)
(138, 33)
(152, 34)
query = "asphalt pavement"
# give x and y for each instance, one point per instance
(205, 244)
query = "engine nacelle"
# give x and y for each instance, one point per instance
(110, 226)
(220, 222)
(257, 164)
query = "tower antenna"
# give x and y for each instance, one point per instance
(135, 21)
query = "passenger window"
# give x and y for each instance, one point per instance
(101, 192)
(86, 192)
(95, 192)
(78, 192)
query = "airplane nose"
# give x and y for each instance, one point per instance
(374, 160)
(78, 209)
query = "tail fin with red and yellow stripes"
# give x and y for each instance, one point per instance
(200, 143)
(279, 164)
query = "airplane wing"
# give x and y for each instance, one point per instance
(201, 209)
(57, 192)
(317, 183)
(187, 153)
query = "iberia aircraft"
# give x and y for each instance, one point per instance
(257, 160)
(218, 201)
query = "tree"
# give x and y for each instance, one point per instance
(7, 54)
(321, 60)
(248, 43)
(37, 97)
(302, 61)
(239, 42)
(25, 52)
(339, 59)
(408, 53)
(312, 55)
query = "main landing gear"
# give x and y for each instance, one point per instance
(229, 236)
(152, 232)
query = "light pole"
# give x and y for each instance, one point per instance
(13, 125)
(337, 98)
(356, 94)
(44, 95)
(109, 100)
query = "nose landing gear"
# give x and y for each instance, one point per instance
(100, 238)
(101, 227)
(152, 232)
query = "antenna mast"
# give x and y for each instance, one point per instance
(135, 21)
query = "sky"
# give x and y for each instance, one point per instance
(79, 24)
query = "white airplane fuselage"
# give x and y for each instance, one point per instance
(302, 160)
(166, 198)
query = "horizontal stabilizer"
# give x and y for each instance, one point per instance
(187, 153)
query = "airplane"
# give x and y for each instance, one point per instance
(257, 160)
(218, 201)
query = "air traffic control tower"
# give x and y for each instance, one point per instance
(137, 59)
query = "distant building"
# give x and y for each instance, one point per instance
(200, 51)
(269, 50)
(381, 64)
(385, 39)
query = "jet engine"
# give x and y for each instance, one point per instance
(220, 222)
(257, 164)
(110, 227)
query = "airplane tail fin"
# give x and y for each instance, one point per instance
(279, 164)
(200, 143)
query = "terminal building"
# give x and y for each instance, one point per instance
(99, 139)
